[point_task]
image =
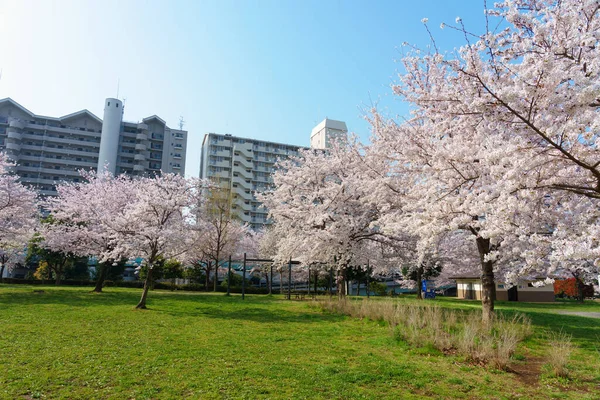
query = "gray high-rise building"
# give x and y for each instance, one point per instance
(244, 166)
(49, 150)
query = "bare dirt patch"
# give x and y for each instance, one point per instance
(528, 371)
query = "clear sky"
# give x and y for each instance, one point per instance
(268, 70)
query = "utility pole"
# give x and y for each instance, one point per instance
(290, 279)
(368, 276)
(229, 277)
(244, 279)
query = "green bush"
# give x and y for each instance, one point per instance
(380, 289)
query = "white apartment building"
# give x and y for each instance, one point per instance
(325, 132)
(48, 150)
(245, 165)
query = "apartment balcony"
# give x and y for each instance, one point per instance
(245, 182)
(13, 146)
(47, 192)
(12, 134)
(61, 141)
(142, 136)
(143, 127)
(66, 129)
(225, 164)
(40, 181)
(244, 217)
(55, 150)
(243, 162)
(139, 157)
(241, 203)
(139, 168)
(49, 171)
(62, 161)
(16, 124)
(244, 172)
(245, 150)
(141, 147)
(221, 153)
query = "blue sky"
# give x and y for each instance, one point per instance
(268, 70)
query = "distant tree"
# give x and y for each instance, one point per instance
(195, 273)
(380, 289)
(10, 258)
(236, 280)
(163, 269)
(574, 288)
(220, 232)
(50, 263)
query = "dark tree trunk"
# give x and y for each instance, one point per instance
(147, 283)
(101, 277)
(268, 282)
(207, 280)
(57, 276)
(488, 286)
(280, 282)
(2, 273)
(216, 280)
(420, 282)
(316, 278)
(580, 289)
(341, 283)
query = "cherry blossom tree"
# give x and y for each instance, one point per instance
(157, 223)
(18, 210)
(85, 215)
(152, 218)
(496, 129)
(10, 258)
(320, 205)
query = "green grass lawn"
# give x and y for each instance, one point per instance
(70, 343)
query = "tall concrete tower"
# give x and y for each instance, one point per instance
(111, 129)
(326, 132)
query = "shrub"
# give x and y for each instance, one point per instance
(380, 289)
(560, 351)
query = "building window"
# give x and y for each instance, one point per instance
(500, 286)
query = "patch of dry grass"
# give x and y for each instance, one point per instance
(445, 329)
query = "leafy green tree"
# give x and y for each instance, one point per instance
(236, 280)
(380, 289)
(50, 263)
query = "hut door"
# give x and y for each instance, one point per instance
(513, 295)
(470, 294)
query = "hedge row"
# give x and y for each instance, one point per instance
(191, 287)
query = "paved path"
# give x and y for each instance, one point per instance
(589, 314)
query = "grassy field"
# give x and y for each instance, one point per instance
(70, 343)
